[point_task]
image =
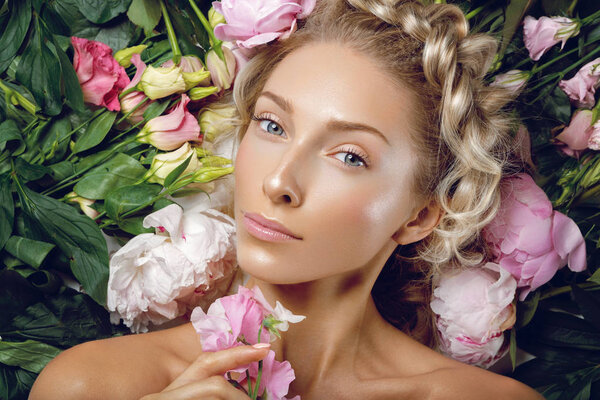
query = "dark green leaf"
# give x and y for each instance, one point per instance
(32, 252)
(55, 142)
(555, 7)
(15, 383)
(119, 171)
(72, 88)
(513, 348)
(15, 32)
(526, 309)
(155, 109)
(45, 281)
(76, 235)
(134, 226)
(61, 170)
(101, 11)
(118, 34)
(29, 355)
(145, 13)
(30, 172)
(588, 304)
(173, 175)
(9, 132)
(557, 105)
(40, 71)
(17, 295)
(7, 209)
(127, 198)
(95, 132)
(513, 15)
(595, 276)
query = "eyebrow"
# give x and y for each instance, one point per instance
(333, 125)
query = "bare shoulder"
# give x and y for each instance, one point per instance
(125, 367)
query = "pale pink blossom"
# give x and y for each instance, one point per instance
(594, 140)
(575, 138)
(276, 377)
(531, 240)
(169, 132)
(251, 23)
(157, 277)
(474, 308)
(132, 99)
(512, 80)
(222, 73)
(582, 87)
(99, 74)
(540, 35)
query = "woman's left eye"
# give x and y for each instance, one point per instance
(269, 126)
(352, 159)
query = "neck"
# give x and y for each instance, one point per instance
(340, 317)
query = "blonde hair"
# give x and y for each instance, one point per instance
(461, 130)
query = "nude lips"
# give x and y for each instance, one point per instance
(260, 231)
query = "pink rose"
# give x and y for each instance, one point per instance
(131, 100)
(474, 308)
(576, 137)
(531, 240)
(540, 35)
(582, 87)
(100, 75)
(251, 23)
(169, 132)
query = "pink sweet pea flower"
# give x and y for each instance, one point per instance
(540, 35)
(251, 23)
(531, 240)
(276, 377)
(100, 75)
(582, 87)
(169, 132)
(474, 308)
(575, 138)
(131, 100)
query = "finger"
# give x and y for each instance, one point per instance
(219, 362)
(215, 387)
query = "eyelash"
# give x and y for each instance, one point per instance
(363, 157)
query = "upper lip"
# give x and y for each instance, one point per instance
(271, 224)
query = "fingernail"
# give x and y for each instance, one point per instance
(261, 345)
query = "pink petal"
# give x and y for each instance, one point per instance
(577, 134)
(569, 242)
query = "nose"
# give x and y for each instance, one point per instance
(281, 185)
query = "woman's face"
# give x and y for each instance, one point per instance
(342, 190)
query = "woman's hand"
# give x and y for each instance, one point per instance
(203, 379)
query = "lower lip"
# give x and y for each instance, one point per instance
(262, 232)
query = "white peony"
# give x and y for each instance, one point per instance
(157, 277)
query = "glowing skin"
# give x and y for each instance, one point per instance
(299, 172)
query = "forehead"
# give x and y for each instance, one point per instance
(329, 80)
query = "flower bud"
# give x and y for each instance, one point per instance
(216, 121)
(198, 93)
(222, 73)
(207, 174)
(84, 204)
(215, 18)
(215, 161)
(202, 152)
(123, 56)
(192, 70)
(163, 164)
(512, 80)
(574, 139)
(162, 82)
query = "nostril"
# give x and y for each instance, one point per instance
(287, 198)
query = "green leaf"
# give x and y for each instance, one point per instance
(55, 141)
(513, 348)
(595, 277)
(127, 198)
(173, 175)
(101, 11)
(45, 281)
(119, 171)
(15, 383)
(95, 132)
(61, 170)
(39, 71)
(117, 34)
(76, 235)
(557, 105)
(15, 32)
(155, 109)
(30, 172)
(32, 252)
(9, 132)
(588, 304)
(513, 15)
(7, 209)
(17, 295)
(29, 355)
(134, 226)
(72, 88)
(145, 13)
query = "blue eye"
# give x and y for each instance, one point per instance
(351, 159)
(269, 126)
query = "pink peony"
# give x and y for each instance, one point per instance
(582, 86)
(131, 100)
(100, 75)
(531, 240)
(169, 132)
(594, 140)
(540, 35)
(474, 308)
(251, 23)
(155, 278)
(576, 137)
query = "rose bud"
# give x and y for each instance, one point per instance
(170, 131)
(216, 121)
(157, 83)
(207, 174)
(200, 92)
(540, 35)
(192, 70)
(163, 164)
(130, 101)
(512, 80)
(221, 73)
(84, 204)
(123, 56)
(574, 139)
(582, 87)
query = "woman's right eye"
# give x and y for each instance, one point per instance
(269, 126)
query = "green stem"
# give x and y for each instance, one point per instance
(565, 289)
(170, 33)
(23, 102)
(590, 18)
(572, 8)
(120, 135)
(216, 43)
(474, 12)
